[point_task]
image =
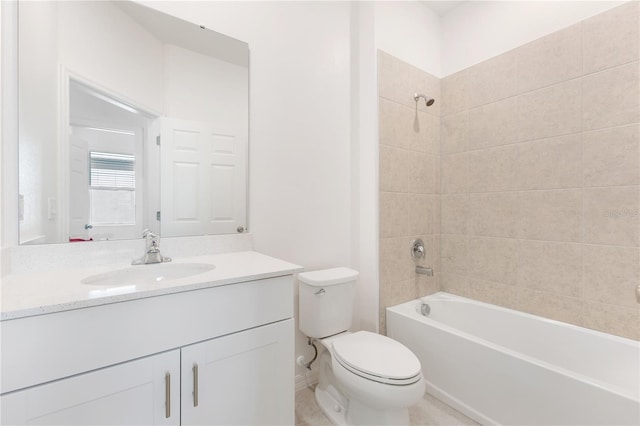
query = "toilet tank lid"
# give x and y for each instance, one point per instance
(325, 277)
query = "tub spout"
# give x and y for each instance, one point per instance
(638, 293)
(424, 270)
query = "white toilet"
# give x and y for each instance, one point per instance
(364, 378)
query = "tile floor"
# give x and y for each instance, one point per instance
(430, 412)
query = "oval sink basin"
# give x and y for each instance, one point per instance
(148, 274)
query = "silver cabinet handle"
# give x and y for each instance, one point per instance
(195, 385)
(167, 393)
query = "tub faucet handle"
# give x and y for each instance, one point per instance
(417, 249)
(638, 293)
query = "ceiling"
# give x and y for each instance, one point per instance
(441, 7)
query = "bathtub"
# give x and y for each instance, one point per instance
(500, 366)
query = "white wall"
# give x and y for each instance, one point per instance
(478, 30)
(410, 31)
(300, 174)
(201, 88)
(129, 62)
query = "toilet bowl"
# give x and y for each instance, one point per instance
(364, 378)
(367, 378)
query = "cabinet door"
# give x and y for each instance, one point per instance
(246, 378)
(132, 393)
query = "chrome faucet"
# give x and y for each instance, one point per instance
(152, 250)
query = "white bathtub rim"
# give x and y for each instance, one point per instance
(441, 295)
(605, 386)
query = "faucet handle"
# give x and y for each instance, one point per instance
(149, 235)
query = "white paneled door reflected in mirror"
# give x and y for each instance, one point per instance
(128, 119)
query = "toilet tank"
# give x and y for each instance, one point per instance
(325, 301)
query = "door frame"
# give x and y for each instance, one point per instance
(64, 119)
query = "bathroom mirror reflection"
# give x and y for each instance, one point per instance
(128, 119)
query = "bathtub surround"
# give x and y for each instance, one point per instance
(541, 176)
(409, 174)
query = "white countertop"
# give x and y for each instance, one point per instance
(29, 294)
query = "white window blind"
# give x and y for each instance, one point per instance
(109, 170)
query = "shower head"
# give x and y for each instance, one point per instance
(427, 101)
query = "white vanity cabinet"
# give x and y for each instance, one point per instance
(238, 379)
(219, 355)
(132, 393)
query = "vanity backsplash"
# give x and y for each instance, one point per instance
(53, 257)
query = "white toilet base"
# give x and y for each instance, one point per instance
(330, 406)
(341, 410)
(357, 413)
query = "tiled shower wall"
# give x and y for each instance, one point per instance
(540, 204)
(409, 137)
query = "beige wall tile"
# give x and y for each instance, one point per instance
(612, 319)
(422, 173)
(611, 274)
(552, 59)
(612, 216)
(494, 214)
(454, 173)
(394, 214)
(421, 214)
(493, 259)
(396, 263)
(552, 111)
(454, 254)
(611, 38)
(393, 124)
(437, 214)
(493, 169)
(454, 213)
(573, 188)
(611, 97)
(455, 284)
(550, 267)
(428, 285)
(553, 306)
(554, 215)
(424, 132)
(499, 294)
(494, 124)
(455, 93)
(493, 79)
(394, 169)
(395, 80)
(454, 134)
(394, 293)
(612, 156)
(551, 163)
(437, 243)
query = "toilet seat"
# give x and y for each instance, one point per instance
(377, 358)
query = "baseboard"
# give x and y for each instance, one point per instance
(303, 382)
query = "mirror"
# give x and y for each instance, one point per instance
(128, 119)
